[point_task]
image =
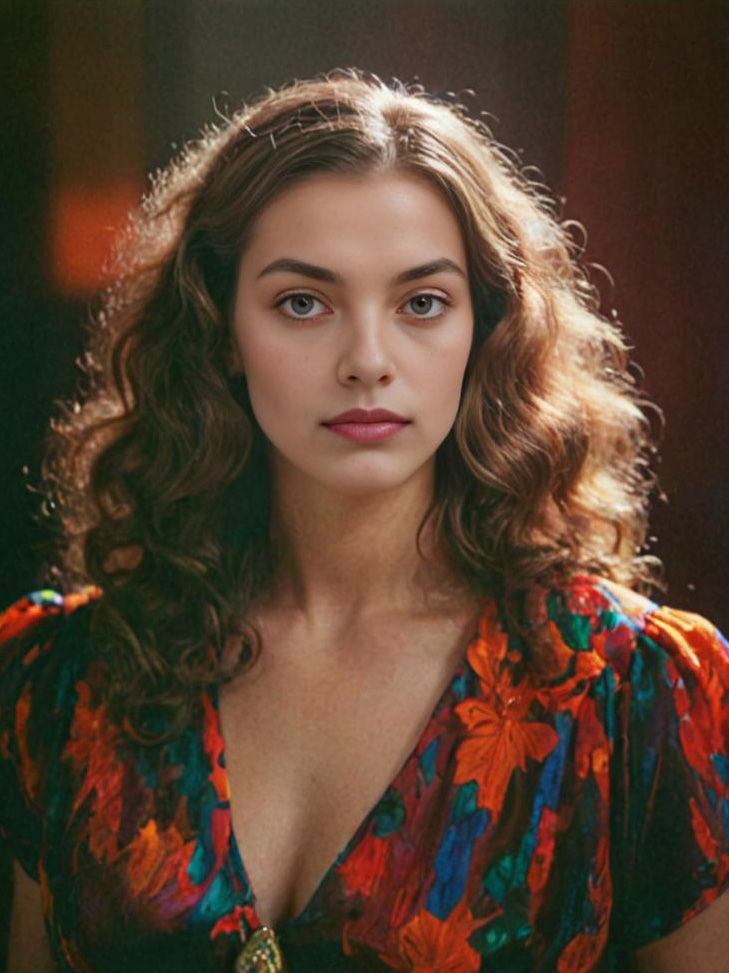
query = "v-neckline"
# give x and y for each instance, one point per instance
(234, 850)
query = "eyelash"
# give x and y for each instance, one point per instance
(299, 317)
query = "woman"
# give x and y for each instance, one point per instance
(346, 666)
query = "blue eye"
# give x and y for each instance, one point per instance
(428, 299)
(303, 303)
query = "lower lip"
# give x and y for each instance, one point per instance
(366, 432)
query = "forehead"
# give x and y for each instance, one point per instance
(331, 215)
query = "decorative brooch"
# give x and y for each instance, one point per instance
(261, 954)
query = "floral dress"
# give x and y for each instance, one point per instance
(550, 818)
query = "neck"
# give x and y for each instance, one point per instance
(348, 557)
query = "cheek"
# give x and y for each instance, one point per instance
(278, 378)
(444, 371)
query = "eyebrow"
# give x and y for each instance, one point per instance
(442, 265)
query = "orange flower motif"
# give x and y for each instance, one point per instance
(490, 648)
(92, 749)
(153, 859)
(365, 865)
(500, 740)
(500, 737)
(431, 945)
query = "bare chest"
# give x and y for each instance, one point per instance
(311, 745)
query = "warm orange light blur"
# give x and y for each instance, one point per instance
(83, 224)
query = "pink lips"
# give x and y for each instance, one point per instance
(367, 425)
(366, 415)
(367, 432)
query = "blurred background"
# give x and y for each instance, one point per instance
(621, 107)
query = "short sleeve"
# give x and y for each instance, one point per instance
(30, 677)
(670, 776)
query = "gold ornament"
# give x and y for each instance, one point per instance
(261, 954)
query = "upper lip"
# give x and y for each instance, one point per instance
(366, 415)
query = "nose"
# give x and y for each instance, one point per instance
(365, 356)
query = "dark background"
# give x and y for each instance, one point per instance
(621, 106)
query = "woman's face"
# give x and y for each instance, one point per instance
(376, 314)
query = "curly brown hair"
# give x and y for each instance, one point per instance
(157, 474)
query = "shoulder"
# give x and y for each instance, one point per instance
(626, 631)
(42, 644)
(24, 616)
(626, 703)
(31, 625)
(656, 679)
(42, 655)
